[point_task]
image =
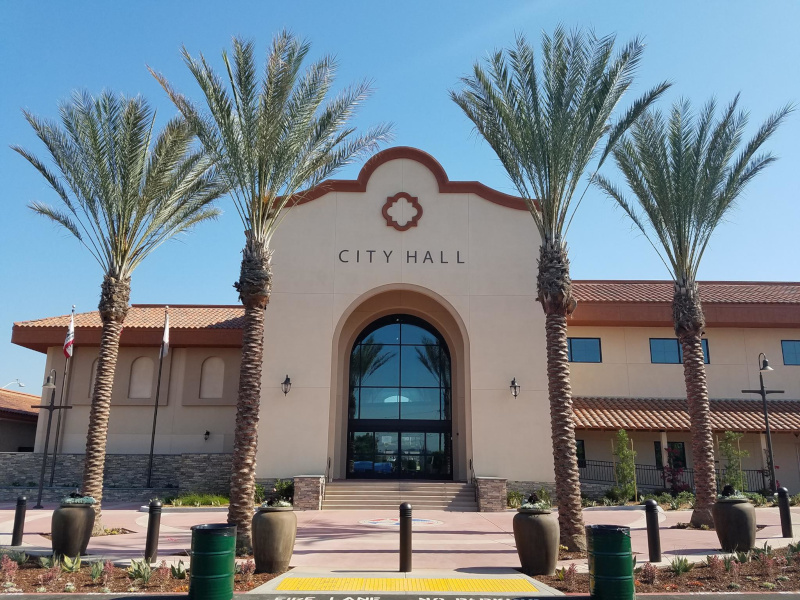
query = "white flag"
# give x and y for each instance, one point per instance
(70, 341)
(165, 339)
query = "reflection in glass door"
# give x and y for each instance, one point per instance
(400, 402)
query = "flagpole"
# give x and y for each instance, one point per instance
(61, 399)
(158, 391)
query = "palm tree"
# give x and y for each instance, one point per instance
(545, 125)
(123, 196)
(271, 139)
(685, 179)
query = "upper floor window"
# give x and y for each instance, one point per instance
(141, 382)
(669, 351)
(586, 350)
(212, 376)
(791, 352)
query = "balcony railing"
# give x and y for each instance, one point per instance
(652, 477)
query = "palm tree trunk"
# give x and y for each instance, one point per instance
(113, 309)
(254, 285)
(689, 325)
(555, 294)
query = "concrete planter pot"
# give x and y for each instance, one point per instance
(537, 537)
(71, 528)
(735, 523)
(274, 532)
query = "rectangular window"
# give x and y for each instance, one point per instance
(580, 450)
(586, 350)
(791, 352)
(668, 351)
(676, 452)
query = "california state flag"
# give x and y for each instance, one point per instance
(70, 341)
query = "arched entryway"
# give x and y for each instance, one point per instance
(436, 455)
(400, 402)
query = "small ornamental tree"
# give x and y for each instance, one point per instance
(625, 467)
(733, 454)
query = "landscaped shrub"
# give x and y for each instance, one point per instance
(284, 490)
(259, 494)
(625, 467)
(730, 449)
(514, 499)
(198, 499)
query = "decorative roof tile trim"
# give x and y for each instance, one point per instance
(711, 292)
(670, 414)
(181, 316)
(190, 326)
(20, 404)
(406, 152)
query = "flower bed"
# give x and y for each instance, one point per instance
(31, 577)
(760, 570)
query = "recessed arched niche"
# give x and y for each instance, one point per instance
(141, 380)
(212, 378)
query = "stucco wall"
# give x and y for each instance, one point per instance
(626, 369)
(183, 417)
(487, 284)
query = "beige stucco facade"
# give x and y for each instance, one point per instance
(455, 254)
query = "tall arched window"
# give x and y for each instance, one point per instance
(212, 377)
(400, 401)
(141, 382)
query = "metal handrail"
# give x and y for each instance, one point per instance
(473, 480)
(651, 476)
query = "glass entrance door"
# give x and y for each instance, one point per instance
(399, 403)
(400, 455)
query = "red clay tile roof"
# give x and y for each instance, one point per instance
(19, 404)
(670, 414)
(190, 326)
(743, 292)
(181, 316)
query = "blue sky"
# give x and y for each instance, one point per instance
(413, 52)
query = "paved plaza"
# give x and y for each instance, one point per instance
(369, 540)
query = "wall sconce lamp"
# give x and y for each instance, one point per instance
(514, 387)
(286, 385)
(206, 435)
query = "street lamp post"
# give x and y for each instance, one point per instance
(17, 381)
(763, 365)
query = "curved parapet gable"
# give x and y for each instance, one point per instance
(406, 152)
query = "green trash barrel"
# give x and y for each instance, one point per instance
(213, 562)
(610, 562)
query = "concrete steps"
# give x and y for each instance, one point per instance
(388, 495)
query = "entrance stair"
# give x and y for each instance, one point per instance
(388, 495)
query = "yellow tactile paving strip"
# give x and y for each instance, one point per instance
(396, 584)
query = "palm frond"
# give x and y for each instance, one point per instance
(685, 176)
(123, 194)
(546, 121)
(272, 138)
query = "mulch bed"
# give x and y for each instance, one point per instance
(31, 576)
(754, 576)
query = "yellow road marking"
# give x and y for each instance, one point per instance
(397, 584)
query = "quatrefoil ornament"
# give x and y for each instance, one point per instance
(398, 209)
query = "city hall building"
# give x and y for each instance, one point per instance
(403, 306)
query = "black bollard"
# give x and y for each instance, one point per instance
(405, 537)
(786, 515)
(153, 527)
(19, 521)
(653, 532)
